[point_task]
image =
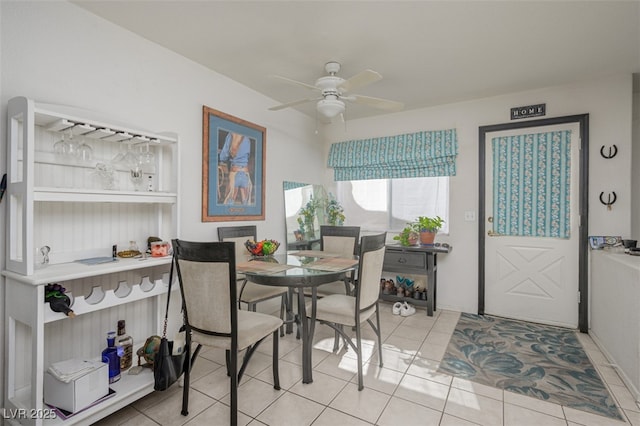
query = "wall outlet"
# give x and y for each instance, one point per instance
(469, 216)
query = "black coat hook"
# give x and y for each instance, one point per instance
(613, 150)
(609, 201)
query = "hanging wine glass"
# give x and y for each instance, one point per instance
(85, 152)
(131, 158)
(72, 146)
(147, 158)
(61, 147)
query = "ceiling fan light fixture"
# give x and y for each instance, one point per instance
(330, 107)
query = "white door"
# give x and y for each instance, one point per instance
(533, 278)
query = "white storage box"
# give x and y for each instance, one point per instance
(78, 393)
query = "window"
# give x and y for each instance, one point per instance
(388, 204)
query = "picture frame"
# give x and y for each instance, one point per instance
(233, 168)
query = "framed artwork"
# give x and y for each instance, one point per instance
(233, 161)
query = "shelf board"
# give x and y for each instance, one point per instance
(110, 298)
(394, 298)
(74, 270)
(102, 196)
(47, 115)
(128, 389)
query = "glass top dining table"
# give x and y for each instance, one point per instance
(299, 270)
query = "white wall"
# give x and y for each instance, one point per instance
(608, 103)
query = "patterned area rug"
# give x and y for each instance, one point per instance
(540, 361)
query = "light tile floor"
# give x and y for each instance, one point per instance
(407, 391)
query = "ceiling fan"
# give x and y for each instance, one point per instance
(333, 92)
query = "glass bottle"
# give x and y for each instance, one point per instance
(124, 343)
(110, 356)
(58, 301)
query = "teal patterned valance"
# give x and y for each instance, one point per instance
(531, 184)
(421, 154)
(293, 185)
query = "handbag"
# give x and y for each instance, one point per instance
(167, 366)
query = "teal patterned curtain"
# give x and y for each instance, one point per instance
(293, 185)
(422, 154)
(531, 184)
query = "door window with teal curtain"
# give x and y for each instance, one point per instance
(420, 154)
(531, 184)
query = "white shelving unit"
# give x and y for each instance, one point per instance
(58, 201)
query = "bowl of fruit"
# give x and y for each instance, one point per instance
(262, 248)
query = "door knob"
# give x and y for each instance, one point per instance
(490, 219)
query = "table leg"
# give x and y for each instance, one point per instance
(290, 318)
(431, 284)
(307, 375)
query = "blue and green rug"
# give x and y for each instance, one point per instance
(539, 361)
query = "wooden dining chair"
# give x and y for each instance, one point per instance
(207, 276)
(248, 292)
(338, 310)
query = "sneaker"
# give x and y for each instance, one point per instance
(407, 310)
(396, 308)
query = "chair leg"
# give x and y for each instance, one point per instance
(359, 354)
(283, 304)
(379, 333)
(276, 373)
(234, 388)
(187, 376)
(228, 359)
(249, 351)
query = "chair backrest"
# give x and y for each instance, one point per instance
(341, 240)
(207, 276)
(238, 235)
(372, 248)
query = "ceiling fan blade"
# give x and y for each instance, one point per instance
(375, 102)
(294, 103)
(359, 80)
(297, 83)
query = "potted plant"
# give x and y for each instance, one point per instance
(428, 228)
(408, 236)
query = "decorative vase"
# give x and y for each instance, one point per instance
(427, 237)
(310, 233)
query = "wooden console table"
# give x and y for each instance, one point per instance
(421, 260)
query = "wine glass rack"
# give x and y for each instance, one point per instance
(53, 201)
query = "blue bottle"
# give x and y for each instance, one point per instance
(110, 356)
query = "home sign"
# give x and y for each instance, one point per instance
(528, 111)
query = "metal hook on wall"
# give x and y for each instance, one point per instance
(613, 150)
(609, 201)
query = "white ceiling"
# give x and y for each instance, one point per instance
(428, 52)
